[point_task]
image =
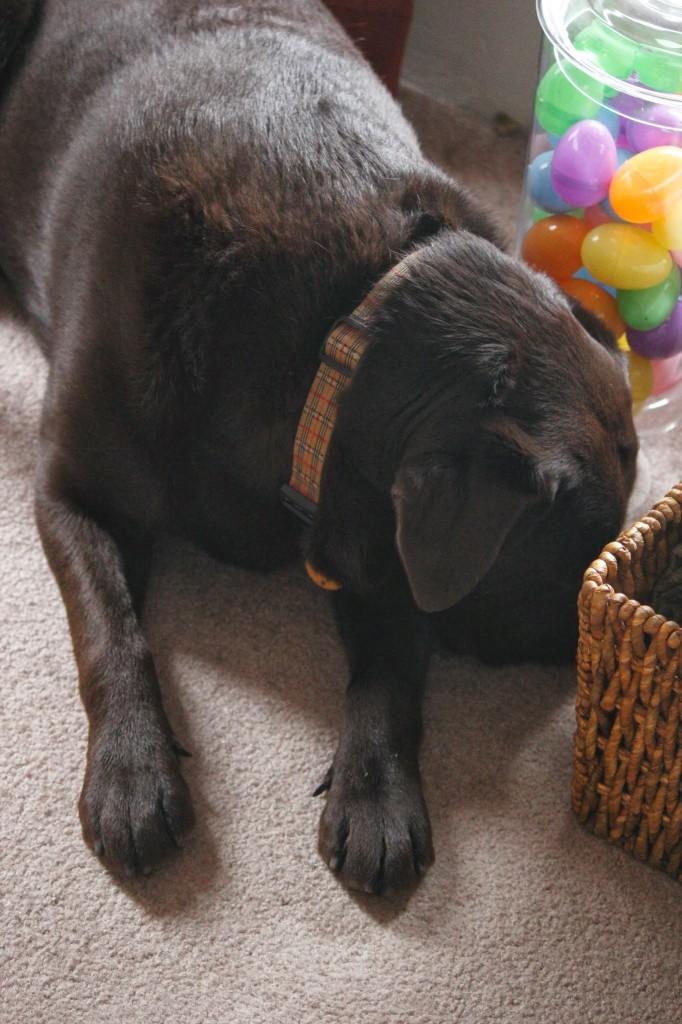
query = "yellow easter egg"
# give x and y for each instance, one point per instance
(624, 256)
(668, 230)
(647, 186)
(641, 377)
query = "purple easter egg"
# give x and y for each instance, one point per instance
(583, 164)
(625, 105)
(661, 342)
(657, 124)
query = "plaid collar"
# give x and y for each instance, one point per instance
(341, 352)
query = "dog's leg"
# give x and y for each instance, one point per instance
(135, 805)
(375, 831)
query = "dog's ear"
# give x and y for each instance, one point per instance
(593, 324)
(453, 516)
(432, 203)
(451, 523)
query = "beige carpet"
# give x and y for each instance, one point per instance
(524, 917)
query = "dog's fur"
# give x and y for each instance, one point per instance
(191, 193)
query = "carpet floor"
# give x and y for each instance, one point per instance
(523, 918)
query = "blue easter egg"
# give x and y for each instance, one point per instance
(540, 187)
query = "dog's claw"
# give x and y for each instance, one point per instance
(324, 785)
(178, 747)
(336, 862)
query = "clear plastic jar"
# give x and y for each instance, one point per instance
(602, 204)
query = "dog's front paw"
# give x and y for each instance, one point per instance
(375, 835)
(135, 806)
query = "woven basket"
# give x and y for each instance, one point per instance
(628, 744)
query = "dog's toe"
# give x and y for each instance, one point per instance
(376, 842)
(134, 811)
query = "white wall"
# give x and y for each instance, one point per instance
(479, 55)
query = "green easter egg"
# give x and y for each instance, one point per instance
(610, 50)
(646, 308)
(559, 103)
(658, 70)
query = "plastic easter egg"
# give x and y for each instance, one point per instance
(609, 50)
(596, 215)
(597, 300)
(611, 121)
(559, 103)
(625, 106)
(585, 275)
(667, 373)
(661, 342)
(655, 124)
(668, 230)
(625, 256)
(553, 245)
(641, 374)
(540, 187)
(646, 308)
(659, 70)
(648, 185)
(584, 163)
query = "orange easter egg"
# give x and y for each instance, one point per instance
(647, 186)
(552, 245)
(598, 301)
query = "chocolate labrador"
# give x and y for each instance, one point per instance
(259, 299)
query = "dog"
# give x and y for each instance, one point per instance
(215, 216)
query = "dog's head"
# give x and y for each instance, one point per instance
(498, 420)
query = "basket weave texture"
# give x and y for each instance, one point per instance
(628, 744)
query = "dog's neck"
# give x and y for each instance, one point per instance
(340, 355)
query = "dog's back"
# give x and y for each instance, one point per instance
(200, 102)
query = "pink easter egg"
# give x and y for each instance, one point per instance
(596, 215)
(666, 374)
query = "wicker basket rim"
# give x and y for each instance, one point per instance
(596, 574)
